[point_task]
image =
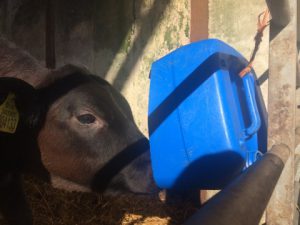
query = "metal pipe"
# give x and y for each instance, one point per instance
(280, 12)
(245, 199)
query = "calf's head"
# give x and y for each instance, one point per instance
(89, 140)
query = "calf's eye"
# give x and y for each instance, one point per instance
(86, 118)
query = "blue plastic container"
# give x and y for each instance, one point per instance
(206, 124)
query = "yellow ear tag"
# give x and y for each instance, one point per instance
(9, 115)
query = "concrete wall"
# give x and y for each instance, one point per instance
(159, 27)
(115, 39)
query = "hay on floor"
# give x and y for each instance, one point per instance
(56, 207)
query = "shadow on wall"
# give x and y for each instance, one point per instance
(89, 34)
(154, 15)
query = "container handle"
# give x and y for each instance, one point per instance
(249, 85)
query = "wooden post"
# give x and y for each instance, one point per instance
(282, 87)
(199, 20)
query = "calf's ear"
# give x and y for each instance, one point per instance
(20, 101)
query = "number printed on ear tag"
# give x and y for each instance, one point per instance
(9, 115)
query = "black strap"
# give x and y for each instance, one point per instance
(117, 163)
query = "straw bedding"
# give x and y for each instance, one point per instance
(56, 207)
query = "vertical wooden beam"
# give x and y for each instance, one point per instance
(199, 20)
(282, 87)
(50, 34)
(199, 31)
